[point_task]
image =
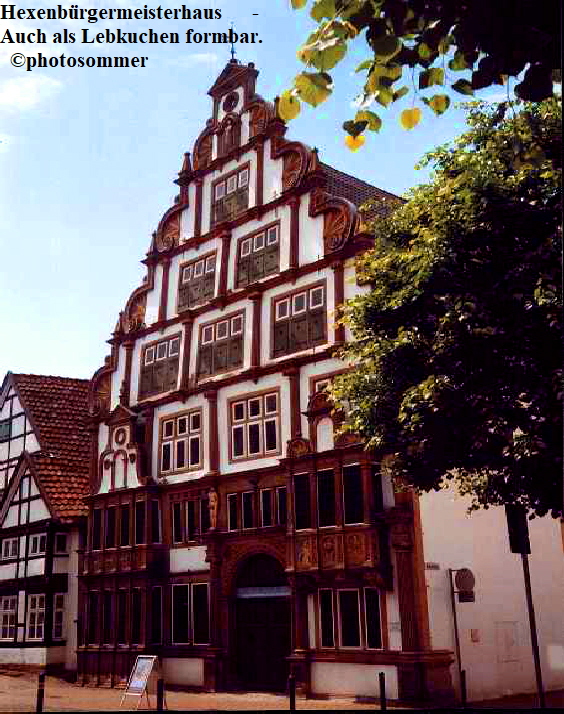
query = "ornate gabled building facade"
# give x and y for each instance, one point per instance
(230, 531)
(44, 458)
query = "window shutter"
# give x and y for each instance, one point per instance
(236, 351)
(195, 292)
(145, 383)
(183, 297)
(172, 374)
(159, 376)
(243, 273)
(280, 338)
(317, 326)
(298, 333)
(208, 288)
(221, 350)
(204, 361)
(257, 267)
(271, 259)
(242, 197)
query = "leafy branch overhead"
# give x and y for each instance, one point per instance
(456, 349)
(415, 46)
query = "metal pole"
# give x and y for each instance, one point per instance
(382, 680)
(292, 689)
(160, 694)
(40, 693)
(456, 637)
(463, 688)
(533, 626)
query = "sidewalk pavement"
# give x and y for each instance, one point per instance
(18, 694)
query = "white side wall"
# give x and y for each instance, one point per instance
(348, 679)
(494, 630)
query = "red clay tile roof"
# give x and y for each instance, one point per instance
(58, 409)
(358, 192)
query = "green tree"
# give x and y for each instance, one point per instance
(414, 46)
(457, 347)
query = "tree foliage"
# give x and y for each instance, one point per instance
(415, 46)
(456, 348)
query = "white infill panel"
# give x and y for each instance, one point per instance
(348, 679)
(11, 517)
(8, 571)
(36, 566)
(39, 511)
(183, 560)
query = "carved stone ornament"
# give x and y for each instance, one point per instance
(306, 554)
(358, 551)
(292, 170)
(401, 536)
(102, 394)
(203, 152)
(136, 317)
(213, 504)
(347, 439)
(259, 119)
(298, 447)
(120, 436)
(335, 229)
(169, 235)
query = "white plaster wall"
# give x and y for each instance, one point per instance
(11, 518)
(136, 357)
(304, 281)
(500, 661)
(18, 425)
(31, 443)
(325, 366)
(60, 564)
(187, 215)
(188, 560)
(188, 671)
(24, 655)
(393, 617)
(347, 679)
(71, 602)
(311, 234)
(7, 571)
(39, 511)
(272, 188)
(153, 298)
(235, 390)
(117, 378)
(196, 402)
(244, 306)
(35, 567)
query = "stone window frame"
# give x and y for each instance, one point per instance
(337, 631)
(176, 436)
(223, 186)
(261, 418)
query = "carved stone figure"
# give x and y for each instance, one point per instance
(214, 501)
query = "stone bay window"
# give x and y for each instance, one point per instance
(299, 320)
(230, 195)
(221, 345)
(258, 255)
(197, 282)
(159, 366)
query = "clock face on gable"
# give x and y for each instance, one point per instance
(230, 102)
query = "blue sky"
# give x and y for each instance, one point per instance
(88, 156)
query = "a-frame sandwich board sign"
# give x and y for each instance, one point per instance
(145, 671)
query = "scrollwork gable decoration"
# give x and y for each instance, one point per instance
(168, 232)
(340, 219)
(100, 390)
(122, 458)
(133, 316)
(298, 447)
(295, 160)
(203, 150)
(261, 113)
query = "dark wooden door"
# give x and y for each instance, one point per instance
(263, 643)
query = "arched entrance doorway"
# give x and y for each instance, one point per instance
(262, 624)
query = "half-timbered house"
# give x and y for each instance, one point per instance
(229, 531)
(44, 460)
